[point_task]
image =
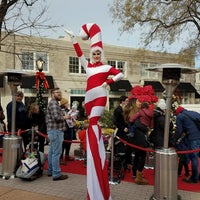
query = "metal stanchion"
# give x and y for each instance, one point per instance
(166, 159)
(113, 180)
(12, 143)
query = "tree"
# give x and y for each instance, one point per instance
(166, 21)
(22, 16)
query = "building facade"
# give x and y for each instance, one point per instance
(62, 68)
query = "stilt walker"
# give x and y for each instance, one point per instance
(95, 101)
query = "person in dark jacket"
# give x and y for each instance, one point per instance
(157, 135)
(185, 124)
(139, 139)
(21, 118)
(2, 126)
(118, 121)
(118, 118)
(36, 118)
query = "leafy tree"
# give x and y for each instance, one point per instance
(166, 21)
(106, 119)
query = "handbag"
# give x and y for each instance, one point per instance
(30, 164)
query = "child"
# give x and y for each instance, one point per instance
(73, 115)
(145, 116)
(82, 138)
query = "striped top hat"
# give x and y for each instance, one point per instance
(93, 32)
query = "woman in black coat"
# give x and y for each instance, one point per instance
(139, 139)
(157, 135)
(36, 118)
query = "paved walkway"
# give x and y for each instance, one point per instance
(74, 188)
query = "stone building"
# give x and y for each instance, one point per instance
(62, 68)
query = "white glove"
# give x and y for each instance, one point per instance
(104, 85)
(70, 33)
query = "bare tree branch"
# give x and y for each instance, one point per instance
(160, 20)
(23, 16)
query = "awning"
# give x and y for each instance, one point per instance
(186, 87)
(1, 81)
(197, 95)
(29, 82)
(121, 86)
(157, 86)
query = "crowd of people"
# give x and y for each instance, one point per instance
(140, 121)
(54, 126)
(133, 119)
(143, 125)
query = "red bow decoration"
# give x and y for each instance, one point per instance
(41, 76)
(144, 94)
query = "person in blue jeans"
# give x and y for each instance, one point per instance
(185, 123)
(55, 120)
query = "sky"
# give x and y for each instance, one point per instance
(72, 14)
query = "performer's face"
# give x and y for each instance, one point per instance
(96, 56)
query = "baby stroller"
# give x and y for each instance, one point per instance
(119, 159)
(32, 162)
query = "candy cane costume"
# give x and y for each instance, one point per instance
(95, 101)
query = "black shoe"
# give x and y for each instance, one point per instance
(189, 180)
(187, 174)
(62, 177)
(49, 175)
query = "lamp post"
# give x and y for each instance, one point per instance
(40, 63)
(12, 142)
(41, 84)
(166, 159)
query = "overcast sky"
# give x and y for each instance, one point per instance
(72, 14)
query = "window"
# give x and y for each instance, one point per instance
(118, 65)
(75, 66)
(146, 73)
(29, 60)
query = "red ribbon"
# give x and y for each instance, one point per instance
(41, 76)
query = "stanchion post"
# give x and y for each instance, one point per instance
(113, 181)
(32, 138)
(166, 159)
(11, 143)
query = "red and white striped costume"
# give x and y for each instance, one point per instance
(95, 101)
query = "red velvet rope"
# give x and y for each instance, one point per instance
(134, 146)
(150, 150)
(19, 132)
(69, 141)
(121, 140)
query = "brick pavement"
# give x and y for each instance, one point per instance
(74, 188)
